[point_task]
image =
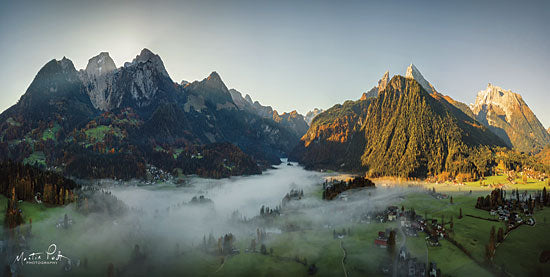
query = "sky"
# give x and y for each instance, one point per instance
(292, 55)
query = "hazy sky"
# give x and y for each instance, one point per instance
(295, 54)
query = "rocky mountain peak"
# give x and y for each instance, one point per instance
(67, 64)
(496, 96)
(215, 81)
(373, 92)
(146, 56)
(506, 114)
(384, 81)
(414, 73)
(100, 65)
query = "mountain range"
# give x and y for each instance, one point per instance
(84, 121)
(106, 121)
(405, 127)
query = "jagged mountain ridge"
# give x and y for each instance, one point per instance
(292, 120)
(137, 111)
(508, 116)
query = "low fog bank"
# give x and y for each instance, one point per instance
(243, 194)
(161, 220)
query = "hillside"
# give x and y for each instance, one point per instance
(405, 131)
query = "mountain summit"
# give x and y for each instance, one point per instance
(414, 73)
(508, 116)
(100, 65)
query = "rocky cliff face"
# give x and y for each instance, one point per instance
(99, 79)
(508, 116)
(139, 84)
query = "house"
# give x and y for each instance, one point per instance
(433, 270)
(412, 267)
(433, 240)
(381, 243)
(403, 254)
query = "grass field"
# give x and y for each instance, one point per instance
(483, 185)
(51, 132)
(518, 254)
(98, 133)
(36, 158)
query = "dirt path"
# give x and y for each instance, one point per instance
(396, 258)
(221, 266)
(344, 258)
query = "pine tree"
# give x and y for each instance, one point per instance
(500, 235)
(391, 243)
(253, 245)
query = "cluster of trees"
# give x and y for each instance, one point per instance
(343, 233)
(28, 182)
(217, 160)
(294, 194)
(497, 197)
(332, 190)
(200, 200)
(94, 200)
(84, 163)
(265, 211)
(225, 244)
(14, 215)
(491, 201)
(494, 238)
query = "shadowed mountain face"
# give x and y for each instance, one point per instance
(508, 116)
(104, 120)
(405, 131)
(56, 93)
(293, 120)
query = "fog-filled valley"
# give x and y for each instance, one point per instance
(166, 228)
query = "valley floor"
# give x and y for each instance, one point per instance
(312, 241)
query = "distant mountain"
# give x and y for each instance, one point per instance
(105, 121)
(405, 131)
(311, 115)
(293, 120)
(508, 116)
